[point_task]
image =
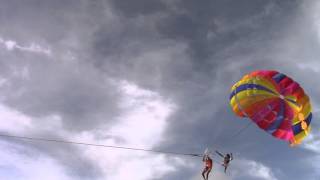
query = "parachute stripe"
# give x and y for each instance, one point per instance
(278, 77)
(280, 117)
(297, 128)
(244, 87)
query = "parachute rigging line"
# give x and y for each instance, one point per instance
(241, 130)
(227, 140)
(100, 145)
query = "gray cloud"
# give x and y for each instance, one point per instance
(76, 94)
(189, 52)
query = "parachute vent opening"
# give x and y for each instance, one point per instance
(281, 97)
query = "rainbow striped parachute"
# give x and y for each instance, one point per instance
(275, 102)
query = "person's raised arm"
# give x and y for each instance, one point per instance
(204, 158)
(220, 154)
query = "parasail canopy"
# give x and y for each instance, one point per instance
(275, 102)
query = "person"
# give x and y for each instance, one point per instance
(208, 166)
(226, 160)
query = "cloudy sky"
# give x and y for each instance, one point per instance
(151, 74)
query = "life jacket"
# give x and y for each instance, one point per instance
(208, 162)
(227, 160)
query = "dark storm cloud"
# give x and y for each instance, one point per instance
(52, 89)
(244, 37)
(224, 40)
(141, 7)
(206, 28)
(195, 22)
(190, 52)
(55, 85)
(82, 97)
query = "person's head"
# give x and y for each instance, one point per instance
(228, 155)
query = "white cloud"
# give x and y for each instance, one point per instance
(253, 169)
(145, 116)
(240, 169)
(33, 47)
(312, 142)
(13, 121)
(313, 65)
(11, 45)
(141, 125)
(215, 174)
(17, 123)
(15, 164)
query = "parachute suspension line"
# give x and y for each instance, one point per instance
(240, 107)
(100, 145)
(243, 112)
(241, 130)
(230, 138)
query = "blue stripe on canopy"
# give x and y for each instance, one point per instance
(244, 87)
(279, 119)
(278, 77)
(297, 127)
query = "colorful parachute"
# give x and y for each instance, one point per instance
(275, 102)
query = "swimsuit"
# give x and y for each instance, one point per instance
(209, 163)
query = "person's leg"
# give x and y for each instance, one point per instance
(203, 173)
(208, 172)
